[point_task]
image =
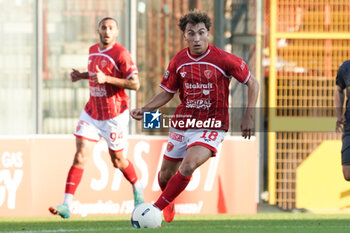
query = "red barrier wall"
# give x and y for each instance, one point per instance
(33, 171)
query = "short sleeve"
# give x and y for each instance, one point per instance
(169, 81)
(237, 68)
(126, 65)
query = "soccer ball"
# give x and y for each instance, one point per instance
(146, 215)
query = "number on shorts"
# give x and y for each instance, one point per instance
(113, 136)
(212, 136)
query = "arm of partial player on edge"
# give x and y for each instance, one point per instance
(339, 102)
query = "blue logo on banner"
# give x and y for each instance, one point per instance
(151, 120)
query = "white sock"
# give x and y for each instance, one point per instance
(68, 199)
(137, 186)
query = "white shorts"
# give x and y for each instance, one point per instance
(180, 140)
(114, 130)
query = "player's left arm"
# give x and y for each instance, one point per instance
(248, 119)
(132, 83)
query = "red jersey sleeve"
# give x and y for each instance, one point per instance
(169, 82)
(126, 65)
(237, 68)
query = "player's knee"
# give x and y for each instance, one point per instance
(120, 163)
(117, 164)
(79, 159)
(187, 169)
(118, 160)
(165, 175)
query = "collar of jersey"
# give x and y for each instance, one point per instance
(104, 50)
(198, 58)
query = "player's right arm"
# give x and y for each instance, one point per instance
(169, 84)
(76, 75)
(156, 102)
(339, 102)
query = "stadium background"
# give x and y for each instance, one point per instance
(293, 47)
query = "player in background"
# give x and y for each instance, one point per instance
(201, 73)
(110, 71)
(343, 120)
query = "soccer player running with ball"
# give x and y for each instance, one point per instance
(201, 73)
(110, 71)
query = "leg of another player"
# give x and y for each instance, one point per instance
(195, 157)
(84, 148)
(128, 170)
(346, 172)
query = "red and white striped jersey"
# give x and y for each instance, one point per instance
(203, 85)
(108, 101)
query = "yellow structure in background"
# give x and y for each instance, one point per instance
(308, 42)
(320, 186)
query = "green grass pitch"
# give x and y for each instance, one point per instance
(260, 223)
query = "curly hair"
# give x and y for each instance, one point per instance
(194, 17)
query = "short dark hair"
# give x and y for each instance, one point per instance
(108, 18)
(194, 17)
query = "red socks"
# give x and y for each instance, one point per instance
(75, 174)
(175, 186)
(130, 173)
(73, 179)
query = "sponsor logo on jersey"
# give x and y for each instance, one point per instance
(198, 104)
(199, 85)
(206, 92)
(183, 74)
(166, 75)
(198, 88)
(98, 91)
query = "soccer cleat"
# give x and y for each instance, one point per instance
(169, 212)
(138, 194)
(61, 210)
